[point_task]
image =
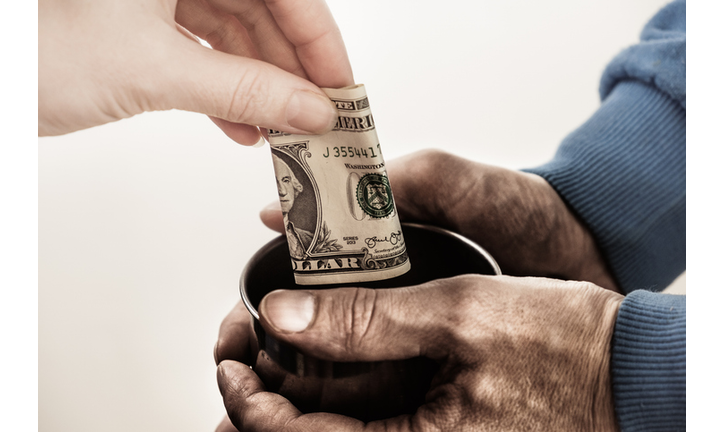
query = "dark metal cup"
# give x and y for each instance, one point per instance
(364, 390)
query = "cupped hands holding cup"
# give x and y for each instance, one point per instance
(513, 352)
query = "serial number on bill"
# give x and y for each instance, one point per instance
(350, 152)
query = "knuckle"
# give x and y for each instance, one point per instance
(359, 318)
(454, 412)
(426, 160)
(223, 349)
(434, 159)
(463, 296)
(442, 182)
(248, 95)
(579, 286)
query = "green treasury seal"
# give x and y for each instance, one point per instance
(375, 196)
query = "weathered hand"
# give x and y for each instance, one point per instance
(235, 335)
(517, 217)
(105, 60)
(515, 353)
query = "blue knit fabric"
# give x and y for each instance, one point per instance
(660, 58)
(649, 362)
(624, 173)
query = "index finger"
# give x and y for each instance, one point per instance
(235, 336)
(251, 408)
(310, 27)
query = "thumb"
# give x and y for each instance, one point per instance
(242, 90)
(359, 324)
(272, 216)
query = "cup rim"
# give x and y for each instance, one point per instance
(273, 243)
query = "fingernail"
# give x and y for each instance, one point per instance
(273, 206)
(288, 311)
(311, 112)
(260, 143)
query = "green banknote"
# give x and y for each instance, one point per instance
(339, 215)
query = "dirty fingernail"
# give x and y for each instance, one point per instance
(287, 310)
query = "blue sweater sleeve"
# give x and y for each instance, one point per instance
(624, 173)
(648, 362)
(624, 170)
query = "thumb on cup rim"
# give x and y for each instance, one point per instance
(355, 324)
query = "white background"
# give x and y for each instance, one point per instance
(145, 224)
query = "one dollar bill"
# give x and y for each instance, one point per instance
(339, 216)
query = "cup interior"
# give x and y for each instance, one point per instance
(434, 253)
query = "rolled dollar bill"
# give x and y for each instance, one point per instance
(339, 216)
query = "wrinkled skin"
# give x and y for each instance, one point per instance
(517, 217)
(104, 60)
(516, 353)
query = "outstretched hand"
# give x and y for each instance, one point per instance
(105, 60)
(514, 353)
(517, 217)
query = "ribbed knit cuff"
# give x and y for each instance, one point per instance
(624, 173)
(648, 363)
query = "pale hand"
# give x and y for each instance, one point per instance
(104, 60)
